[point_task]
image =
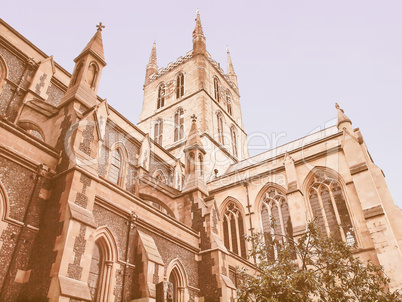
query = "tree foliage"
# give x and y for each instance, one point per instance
(313, 268)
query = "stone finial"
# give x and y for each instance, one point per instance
(193, 118)
(100, 26)
(342, 118)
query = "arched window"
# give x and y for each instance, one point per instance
(158, 131)
(274, 208)
(234, 140)
(180, 85)
(190, 166)
(32, 129)
(229, 102)
(178, 282)
(101, 280)
(92, 74)
(329, 208)
(115, 167)
(161, 96)
(201, 163)
(216, 89)
(220, 127)
(179, 124)
(97, 262)
(233, 230)
(76, 74)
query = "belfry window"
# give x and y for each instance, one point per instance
(161, 96)
(115, 167)
(234, 140)
(275, 219)
(220, 128)
(329, 208)
(229, 102)
(158, 131)
(216, 88)
(179, 124)
(180, 85)
(233, 230)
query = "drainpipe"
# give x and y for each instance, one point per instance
(131, 224)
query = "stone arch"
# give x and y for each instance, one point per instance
(156, 203)
(4, 208)
(121, 148)
(31, 126)
(3, 72)
(176, 273)
(107, 256)
(160, 176)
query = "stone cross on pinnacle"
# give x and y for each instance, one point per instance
(193, 118)
(100, 26)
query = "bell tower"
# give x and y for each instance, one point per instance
(195, 84)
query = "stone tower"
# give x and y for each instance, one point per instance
(195, 84)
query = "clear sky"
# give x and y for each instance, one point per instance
(293, 59)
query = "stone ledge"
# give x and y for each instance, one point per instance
(373, 212)
(74, 288)
(82, 215)
(358, 168)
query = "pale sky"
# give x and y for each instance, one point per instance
(293, 59)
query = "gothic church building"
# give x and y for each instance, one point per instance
(95, 208)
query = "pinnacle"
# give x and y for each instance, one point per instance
(95, 45)
(153, 57)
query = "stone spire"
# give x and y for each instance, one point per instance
(152, 66)
(94, 46)
(87, 72)
(230, 70)
(342, 118)
(194, 155)
(199, 44)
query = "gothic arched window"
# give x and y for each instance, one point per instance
(92, 74)
(201, 163)
(233, 230)
(180, 85)
(229, 102)
(234, 140)
(115, 167)
(101, 271)
(220, 127)
(216, 89)
(158, 131)
(179, 124)
(329, 208)
(275, 219)
(161, 96)
(97, 262)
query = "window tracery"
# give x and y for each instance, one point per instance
(233, 230)
(275, 219)
(329, 208)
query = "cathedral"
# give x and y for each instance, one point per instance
(96, 208)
